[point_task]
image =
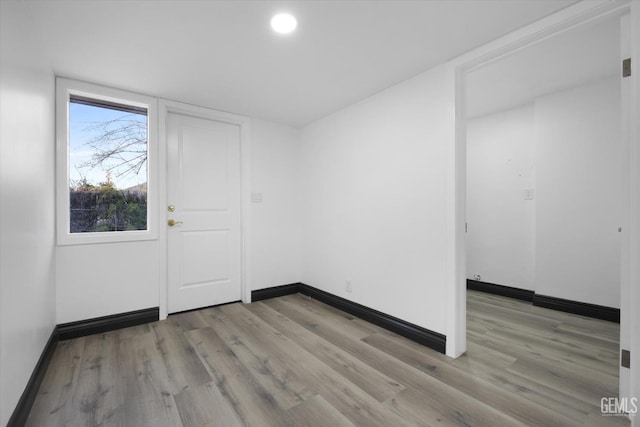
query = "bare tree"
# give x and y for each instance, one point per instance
(119, 147)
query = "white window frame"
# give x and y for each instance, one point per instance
(65, 88)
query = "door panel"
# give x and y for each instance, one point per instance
(205, 257)
(204, 246)
(197, 146)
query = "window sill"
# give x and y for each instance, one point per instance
(105, 237)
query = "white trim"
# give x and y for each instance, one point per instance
(165, 108)
(573, 16)
(634, 209)
(625, 237)
(65, 88)
(456, 217)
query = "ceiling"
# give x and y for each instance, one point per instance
(223, 55)
(570, 59)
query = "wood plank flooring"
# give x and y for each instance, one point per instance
(293, 361)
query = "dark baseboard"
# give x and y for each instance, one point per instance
(575, 307)
(426, 337)
(273, 292)
(415, 333)
(23, 408)
(67, 331)
(568, 306)
(107, 323)
(505, 291)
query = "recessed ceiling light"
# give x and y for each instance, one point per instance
(283, 23)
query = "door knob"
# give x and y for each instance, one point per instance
(173, 222)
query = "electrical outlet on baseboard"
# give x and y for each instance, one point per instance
(477, 277)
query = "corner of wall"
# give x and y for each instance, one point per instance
(27, 252)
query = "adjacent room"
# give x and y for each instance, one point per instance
(268, 212)
(544, 162)
(544, 204)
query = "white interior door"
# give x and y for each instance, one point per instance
(203, 194)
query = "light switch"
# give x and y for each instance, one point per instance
(529, 194)
(256, 197)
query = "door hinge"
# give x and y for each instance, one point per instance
(625, 359)
(626, 67)
(466, 228)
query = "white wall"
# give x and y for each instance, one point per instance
(578, 179)
(565, 242)
(373, 200)
(103, 279)
(275, 223)
(501, 223)
(27, 290)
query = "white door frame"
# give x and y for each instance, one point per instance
(167, 107)
(569, 18)
(634, 208)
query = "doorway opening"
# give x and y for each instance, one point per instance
(555, 92)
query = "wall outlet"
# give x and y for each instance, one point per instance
(529, 194)
(347, 286)
(477, 277)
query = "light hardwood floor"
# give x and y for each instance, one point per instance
(292, 361)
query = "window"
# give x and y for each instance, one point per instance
(105, 188)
